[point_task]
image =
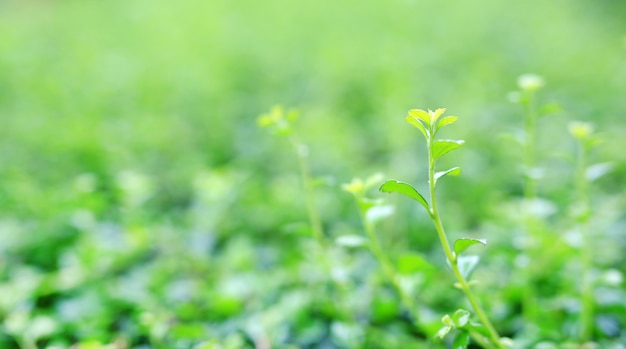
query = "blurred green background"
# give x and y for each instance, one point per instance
(141, 205)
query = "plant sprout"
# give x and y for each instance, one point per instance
(584, 175)
(429, 123)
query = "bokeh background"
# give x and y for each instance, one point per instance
(142, 207)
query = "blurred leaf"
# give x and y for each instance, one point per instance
(385, 310)
(394, 186)
(580, 130)
(447, 320)
(461, 341)
(516, 136)
(596, 171)
(479, 328)
(412, 263)
(467, 264)
(539, 207)
(42, 326)
(351, 241)
(463, 244)
(550, 108)
(442, 147)
(366, 203)
(355, 187)
(188, 331)
(373, 180)
(443, 332)
(324, 181)
(377, 213)
(455, 171)
(460, 318)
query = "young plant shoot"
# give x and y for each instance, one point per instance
(281, 122)
(429, 123)
(371, 212)
(584, 175)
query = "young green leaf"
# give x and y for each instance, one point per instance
(467, 264)
(455, 171)
(434, 116)
(446, 121)
(419, 124)
(394, 186)
(463, 244)
(419, 114)
(442, 147)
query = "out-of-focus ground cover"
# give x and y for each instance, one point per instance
(141, 205)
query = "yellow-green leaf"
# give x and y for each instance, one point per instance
(394, 186)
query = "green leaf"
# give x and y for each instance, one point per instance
(413, 263)
(446, 121)
(460, 318)
(442, 147)
(461, 341)
(394, 186)
(420, 114)
(463, 244)
(419, 124)
(443, 332)
(467, 264)
(434, 116)
(455, 171)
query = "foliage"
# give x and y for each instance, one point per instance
(141, 207)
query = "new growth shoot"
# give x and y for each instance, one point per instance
(429, 123)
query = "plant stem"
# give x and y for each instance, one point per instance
(434, 213)
(529, 301)
(586, 314)
(311, 205)
(388, 268)
(530, 189)
(314, 217)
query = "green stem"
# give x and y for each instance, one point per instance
(314, 217)
(307, 182)
(388, 268)
(586, 315)
(530, 189)
(434, 213)
(530, 193)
